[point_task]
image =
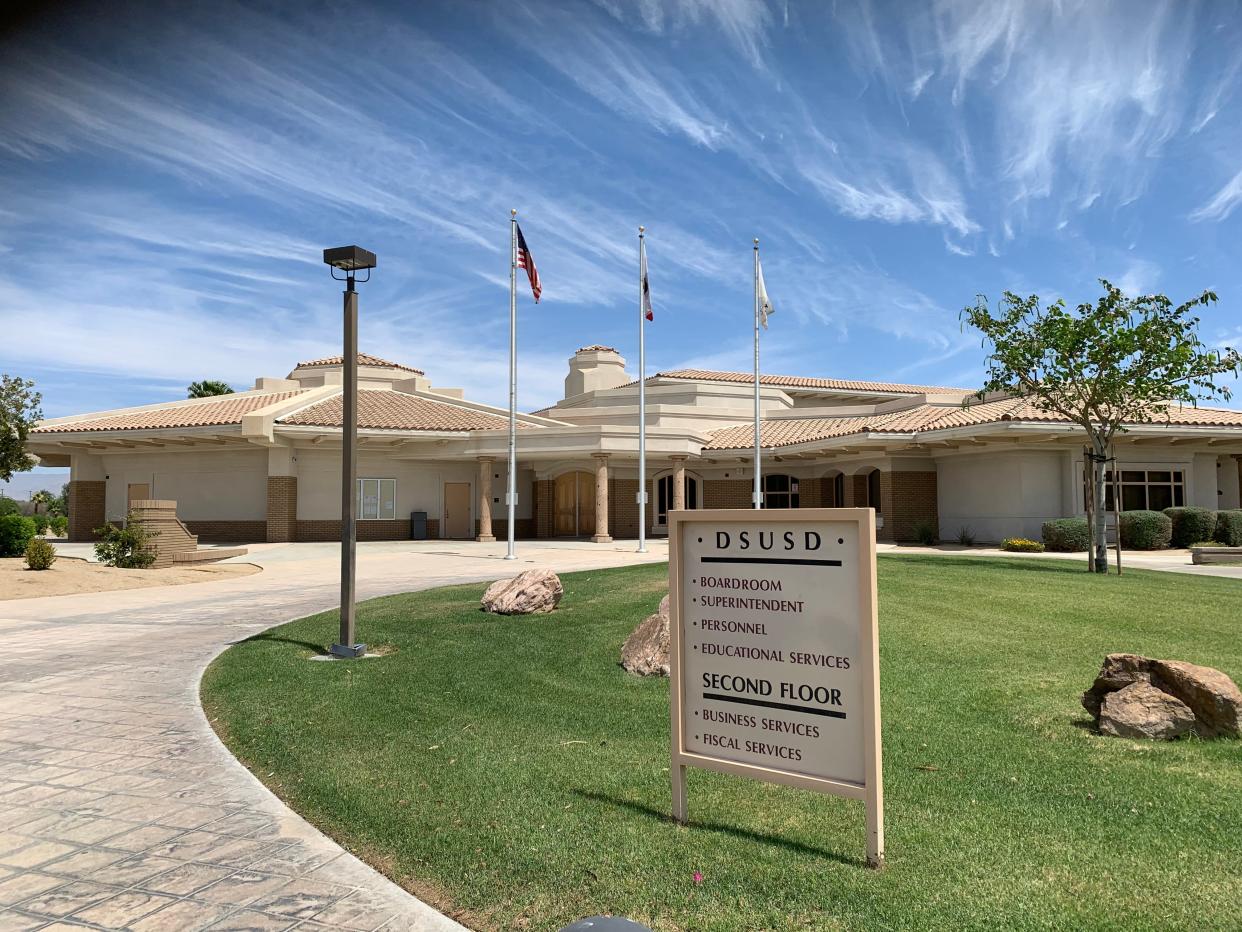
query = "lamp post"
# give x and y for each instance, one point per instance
(350, 260)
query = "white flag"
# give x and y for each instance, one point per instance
(765, 305)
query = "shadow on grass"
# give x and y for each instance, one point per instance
(267, 636)
(662, 816)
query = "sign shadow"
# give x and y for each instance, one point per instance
(661, 815)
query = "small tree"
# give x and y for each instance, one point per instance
(42, 498)
(208, 387)
(19, 411)
(1102, 366)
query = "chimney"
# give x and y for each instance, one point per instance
(593, 369)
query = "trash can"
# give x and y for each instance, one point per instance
(418, 525)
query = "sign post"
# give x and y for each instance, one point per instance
(774, 652)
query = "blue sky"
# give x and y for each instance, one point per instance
(169, 175)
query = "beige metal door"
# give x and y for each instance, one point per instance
(138, 492)
(457, 523)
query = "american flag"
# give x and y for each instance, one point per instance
(526, 261)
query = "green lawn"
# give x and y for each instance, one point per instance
(507, 770)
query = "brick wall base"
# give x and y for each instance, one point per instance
(524, 530)
(86, 508)
(395, 529)
(282, 509)
(229, 532)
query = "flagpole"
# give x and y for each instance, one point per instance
(642, 399)
(757, 495)
(511, 494)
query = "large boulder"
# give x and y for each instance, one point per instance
(1212, 697)
(535, 592)
(1140, 710)
(645, 652)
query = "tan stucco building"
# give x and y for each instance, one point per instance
(265, 464)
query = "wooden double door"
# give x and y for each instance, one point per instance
(574, 501)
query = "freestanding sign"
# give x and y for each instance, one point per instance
(774, 652)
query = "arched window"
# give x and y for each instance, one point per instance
(780, 492)
(873, 490)
(664, 497)
(838, 490)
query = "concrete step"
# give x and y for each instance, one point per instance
(208, 555)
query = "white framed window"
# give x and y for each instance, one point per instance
(377, 499)
(1147, 489)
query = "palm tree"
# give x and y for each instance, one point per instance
(208, 387)
(42, 497)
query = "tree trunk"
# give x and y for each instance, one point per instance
(1097, 501)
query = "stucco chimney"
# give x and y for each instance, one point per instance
(594, 368)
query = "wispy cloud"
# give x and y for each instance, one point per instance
(1223, 202)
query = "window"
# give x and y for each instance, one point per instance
(780, 492)
(838, 490)
(1147, 489)
(873, 490)
(377, 498)
(664, 497)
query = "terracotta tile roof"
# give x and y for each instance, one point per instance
(797, 381)
(364, 359)
(209, 412)
(387, 410)
(781, 432)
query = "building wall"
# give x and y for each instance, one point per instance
(910, 500)
(999, 495)
(219, 486)
(420, 487)
(1227, 479)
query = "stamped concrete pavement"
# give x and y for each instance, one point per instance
(119, 807)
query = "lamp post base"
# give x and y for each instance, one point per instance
(349, 651)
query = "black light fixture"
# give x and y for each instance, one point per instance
(350, 260)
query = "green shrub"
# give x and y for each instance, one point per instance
(1191, 524)
(40, 555)
(125, 547)
(965, 536)
(1145, 530)
(925, 533)
(1066, 535)
(41, 523)
(60, 525)
(8, 506)
(15, 533)
(1229, 528)
(1021, 545)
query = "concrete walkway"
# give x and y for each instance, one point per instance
(120, 809)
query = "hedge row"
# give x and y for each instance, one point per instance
(1152, 530)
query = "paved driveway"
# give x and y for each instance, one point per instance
(119, 808)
